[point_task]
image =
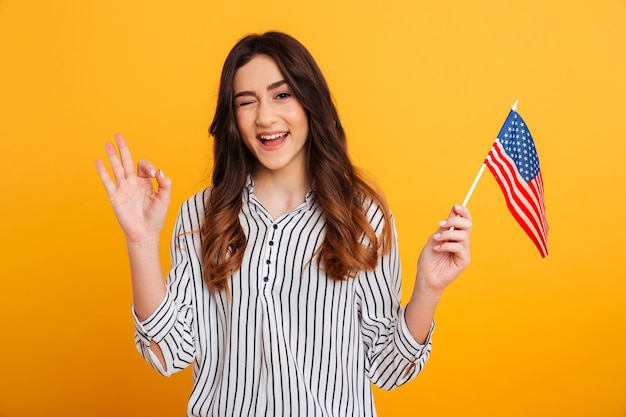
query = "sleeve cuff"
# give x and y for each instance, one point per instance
(408, 346)
(158, 324)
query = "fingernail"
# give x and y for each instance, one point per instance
(161, 173)
(437, 235)
(442, 223)
(153, 173)
(457, 207)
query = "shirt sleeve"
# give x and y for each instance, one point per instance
(170, 326)
(393, 356)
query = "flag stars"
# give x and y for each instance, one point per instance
(518, 144)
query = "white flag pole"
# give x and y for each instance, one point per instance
(471, 190)
(482, 169)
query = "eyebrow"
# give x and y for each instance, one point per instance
(269, 88)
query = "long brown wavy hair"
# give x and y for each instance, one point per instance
(350, 244)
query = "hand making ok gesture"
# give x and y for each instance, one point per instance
(139, 208)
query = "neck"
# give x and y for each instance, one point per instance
(281, 192)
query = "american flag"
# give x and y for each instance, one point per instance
(514, 163)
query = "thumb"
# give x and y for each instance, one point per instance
(165, 186)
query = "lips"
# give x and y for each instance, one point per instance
(271, 140)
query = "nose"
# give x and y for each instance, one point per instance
(265, 115)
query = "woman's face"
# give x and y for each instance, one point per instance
(272, 122)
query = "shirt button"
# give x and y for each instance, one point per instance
(268, 262)
(275, 226)
(266, 279)
(271, 243)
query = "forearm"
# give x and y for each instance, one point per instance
(147, 281)
(147, 277)
(420, 310)
(442, 259)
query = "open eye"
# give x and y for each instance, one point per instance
(283, 95)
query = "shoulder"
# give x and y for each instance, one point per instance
(200, 199)
(192, 210)
(378, 215)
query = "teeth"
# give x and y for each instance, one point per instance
(274, 136)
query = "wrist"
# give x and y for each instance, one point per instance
(426, 297)
(428, 285)
(147, 243)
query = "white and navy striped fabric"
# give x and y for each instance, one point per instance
(291, 341)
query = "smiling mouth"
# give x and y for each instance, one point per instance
(266, 139)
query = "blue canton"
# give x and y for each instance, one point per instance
(519, 146)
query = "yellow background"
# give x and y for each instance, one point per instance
(422, 87)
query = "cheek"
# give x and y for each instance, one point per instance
(242, 121)
(238, 119)
(298, 115)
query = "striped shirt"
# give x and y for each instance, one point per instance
(291, 341)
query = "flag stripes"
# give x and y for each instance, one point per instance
(525, 200)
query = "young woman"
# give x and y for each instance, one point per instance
(285, 282)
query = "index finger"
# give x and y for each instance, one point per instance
(458, 210)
